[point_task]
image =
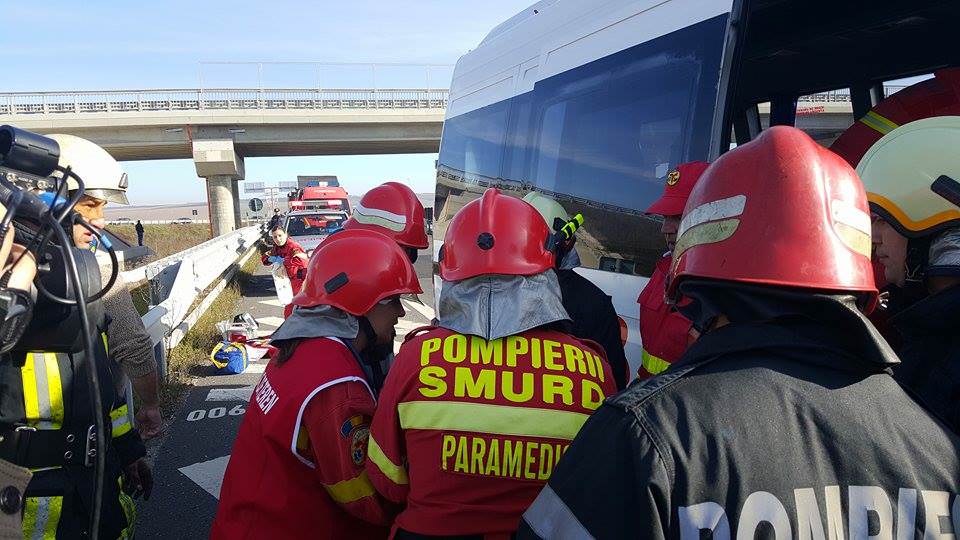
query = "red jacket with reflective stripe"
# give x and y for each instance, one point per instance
(663, 331)
(297, 467)
(290, 263)
(468, 431)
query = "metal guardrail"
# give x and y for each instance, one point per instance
(122, 101)
(181, 278)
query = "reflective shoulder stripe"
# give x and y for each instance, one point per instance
(879, 123)
(396, 473)
(106, 348)
(348, 491)
(120, 420)
(295, 436)
(653, 364)
(41, 515)
(492, 419)
(550, 517)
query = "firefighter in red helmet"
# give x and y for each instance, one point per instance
(297, 467)
(394, 210)
(477, 411)
(664, 332)
(939, 96)
(784, 410)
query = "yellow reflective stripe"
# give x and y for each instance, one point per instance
(492, 419)
(106, 349)
(350, 490)
(53, 518)
(653, 364)
(303, 439)
(41, 516)
(31, 402)
(396, 473)
(129, 511)
(42, 390)
(120, 421)
(879, 123)
(54, 389)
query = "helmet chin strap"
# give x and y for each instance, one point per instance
(918, 255)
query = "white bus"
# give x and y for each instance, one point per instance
(594, 102)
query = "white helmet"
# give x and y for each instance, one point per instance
(911, 176)
(549, 209)
(103, 177)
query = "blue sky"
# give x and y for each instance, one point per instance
(63, 45)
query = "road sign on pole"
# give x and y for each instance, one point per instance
(256, 205)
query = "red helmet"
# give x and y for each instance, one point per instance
(394, 210)
(679, 184)
(780, 210)
(353, 270)
(496, 234)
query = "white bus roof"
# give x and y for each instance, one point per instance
(553, 36)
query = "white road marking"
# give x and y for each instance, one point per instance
(273, 302)
(230, 394)
(208, 474)
(270, 321)
(255, 368)
(424, 310)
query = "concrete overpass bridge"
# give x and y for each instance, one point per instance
(217, 128)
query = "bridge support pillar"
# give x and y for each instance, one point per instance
(237, 210)
(219, 163)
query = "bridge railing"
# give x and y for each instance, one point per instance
(218, 99)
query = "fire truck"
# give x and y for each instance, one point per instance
(319, 193)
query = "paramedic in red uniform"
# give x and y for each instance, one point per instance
(393, 209)
(297, 467)
(663, 330)
(476, 412)
(287, 252)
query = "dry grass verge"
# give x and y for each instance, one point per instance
(186, 359)
(164, 240)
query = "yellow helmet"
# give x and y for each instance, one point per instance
(103, 177)
(912, 176)
(549, 209)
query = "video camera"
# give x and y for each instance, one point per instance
(33, 188)
(62, 315)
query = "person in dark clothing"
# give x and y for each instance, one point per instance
(591, 310)
(782, 420)
(274, 220)
(139, 229)
(913, 187)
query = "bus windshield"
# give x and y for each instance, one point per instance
(600, 139)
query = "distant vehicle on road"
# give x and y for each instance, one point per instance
(182, 220)
(319, 198)
(310, 227)
(121, 220)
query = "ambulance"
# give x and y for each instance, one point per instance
(593, 103)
